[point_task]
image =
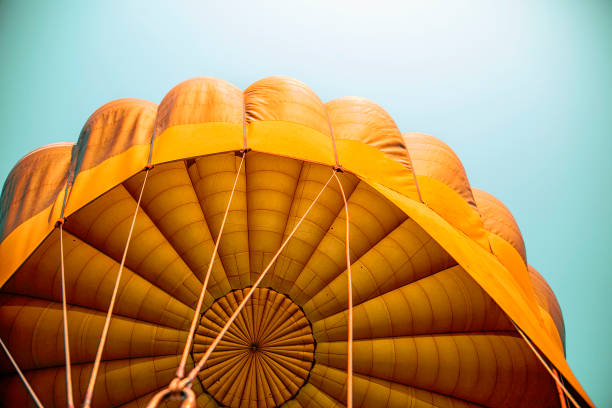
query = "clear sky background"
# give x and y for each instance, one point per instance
(521, 90)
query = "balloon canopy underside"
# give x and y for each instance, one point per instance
(425, 333)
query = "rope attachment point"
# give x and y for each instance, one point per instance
(178, 390)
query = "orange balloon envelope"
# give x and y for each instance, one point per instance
(439, 274)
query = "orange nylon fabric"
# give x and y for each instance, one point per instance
(113, 129)
(204, 117)
(129, 122)
(547, 300)
(499, 220)
(33, 186)
(285, 99)
(433, 158)
(359, 119)
(31, 203)
(438, 170)
(200, 100)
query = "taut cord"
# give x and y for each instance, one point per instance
(552, 374)
(23, 379)
(69, 397)
(180, 372)
(349, 346)
(111, 306)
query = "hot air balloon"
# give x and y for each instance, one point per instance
(320, 257)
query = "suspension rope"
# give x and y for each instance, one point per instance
(181, 388)
(60, 223)
(94, 372)
(559, 390)
(180, 372)
(23, 379)
(552, 374)
(564, 396)
(349, 365)
(69, 397)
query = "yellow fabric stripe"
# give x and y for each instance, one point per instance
(290, 139)
(94, 182)
(24, 239)
(192, 140)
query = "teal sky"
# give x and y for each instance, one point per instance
(521, 90)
